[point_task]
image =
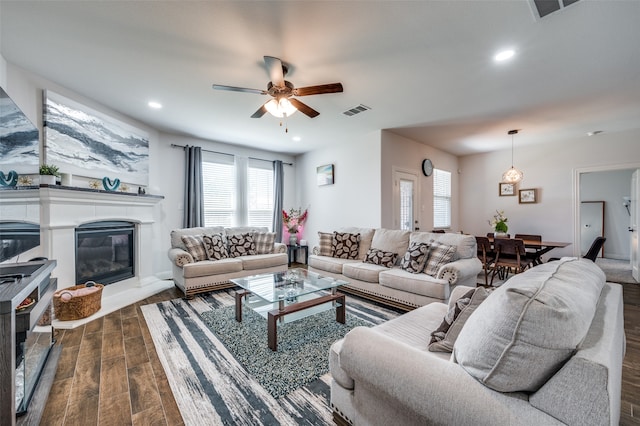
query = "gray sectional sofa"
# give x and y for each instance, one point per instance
(396, 286)
(193, 277)
(545, 348)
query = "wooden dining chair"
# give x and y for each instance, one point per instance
(532, 253)
(510, 255)
(486, 256)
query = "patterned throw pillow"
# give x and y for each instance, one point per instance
(439, 254)
(241, 245)
(264, 241)
(345, 245)
(195, 247)
(215, 247)
(380, 257)
(326, 238)
(443, 338)
(415, 258)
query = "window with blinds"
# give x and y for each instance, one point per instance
(237, 193)
(441, 199)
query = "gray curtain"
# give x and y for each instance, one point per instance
(193, 198)
(278, 186)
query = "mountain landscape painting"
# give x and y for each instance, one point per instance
(19, 142)
(85, 142)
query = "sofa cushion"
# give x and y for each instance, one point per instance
(211, 267)
(366, 235)
(264, 241)
(241, 245)
(329, 264)
(380, 257)
(466, 246)
(439, 255)
(393, 240)
(345, 245)
(176, 234)
(215, 247)
(326, 238)
(421, 284)
(362, 271)
(443, 338)
(415, 258)
(260, 261)
(195, 247)
(526, 329)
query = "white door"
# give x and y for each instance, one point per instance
(633, 228)
(405, 201)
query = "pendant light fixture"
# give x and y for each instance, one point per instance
(512, 175)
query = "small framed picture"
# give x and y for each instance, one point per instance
(324, 175)
(506, 189)
(528, 196)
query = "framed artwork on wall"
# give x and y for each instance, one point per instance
(324, 175)
(506, 189)
(528, 196)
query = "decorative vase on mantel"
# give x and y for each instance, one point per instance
(293, 239)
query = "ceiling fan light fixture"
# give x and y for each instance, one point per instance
(280, 108)
(512, 175)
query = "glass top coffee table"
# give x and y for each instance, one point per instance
(294, 294)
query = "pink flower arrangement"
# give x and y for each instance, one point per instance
(294, 219)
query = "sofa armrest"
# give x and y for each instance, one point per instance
(460, 270)
(394, 373)
(180, 257)
(316, 250)
(279, 248)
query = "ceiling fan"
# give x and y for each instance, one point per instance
(283, 103)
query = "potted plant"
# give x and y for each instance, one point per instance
(48, 174)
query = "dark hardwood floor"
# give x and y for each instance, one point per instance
(109, 372)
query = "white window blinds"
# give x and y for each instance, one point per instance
(441, 199)
(219, 189)
(260, 193)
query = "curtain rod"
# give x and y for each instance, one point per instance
(173, 145)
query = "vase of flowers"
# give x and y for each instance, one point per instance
(499, 224)
(292, 220)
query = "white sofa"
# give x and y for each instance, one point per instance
(545, 348)
(395, 286)
(193, 277)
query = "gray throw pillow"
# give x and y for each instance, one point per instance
(439, 254)
(195, 247)
(264, 241)
(415, 258)
(326, 238)
(241, 245)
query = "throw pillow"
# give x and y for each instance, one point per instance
(215, 247)
(380, 257)
(241, 245)
(195, 247)
(415, 258)
(264, 241)
(345, 245)
(326, 238)
(439, 254)
(443, 338)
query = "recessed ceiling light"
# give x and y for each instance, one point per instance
(504, 55)
(296, 138)
(154, 105)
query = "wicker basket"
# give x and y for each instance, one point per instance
(77, 307)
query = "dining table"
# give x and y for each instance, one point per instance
(540, 247)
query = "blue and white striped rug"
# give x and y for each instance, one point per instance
(211, 387)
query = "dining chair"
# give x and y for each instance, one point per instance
(595, 248)
(510, 255)
(532, 253)
(486, 256)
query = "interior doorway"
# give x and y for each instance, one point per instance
(405, 200)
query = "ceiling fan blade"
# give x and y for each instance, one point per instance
(239, 89)
(260, 112)
(318, 90)
(304, 108)
(276, 72)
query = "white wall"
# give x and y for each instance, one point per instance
(354, 198)
(405, 154)
(610, 187)
(550, 168)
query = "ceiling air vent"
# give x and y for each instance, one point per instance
(356, 110)
(543, 8)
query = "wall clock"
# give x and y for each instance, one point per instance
(427, 167)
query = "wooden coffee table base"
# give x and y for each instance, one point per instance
(275, 314)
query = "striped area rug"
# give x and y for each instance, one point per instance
(212, 388)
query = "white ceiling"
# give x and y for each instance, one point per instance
(424, 67)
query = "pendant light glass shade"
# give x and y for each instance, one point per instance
(512, 175)
(280, 108)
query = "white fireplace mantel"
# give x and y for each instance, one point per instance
(63, 209)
